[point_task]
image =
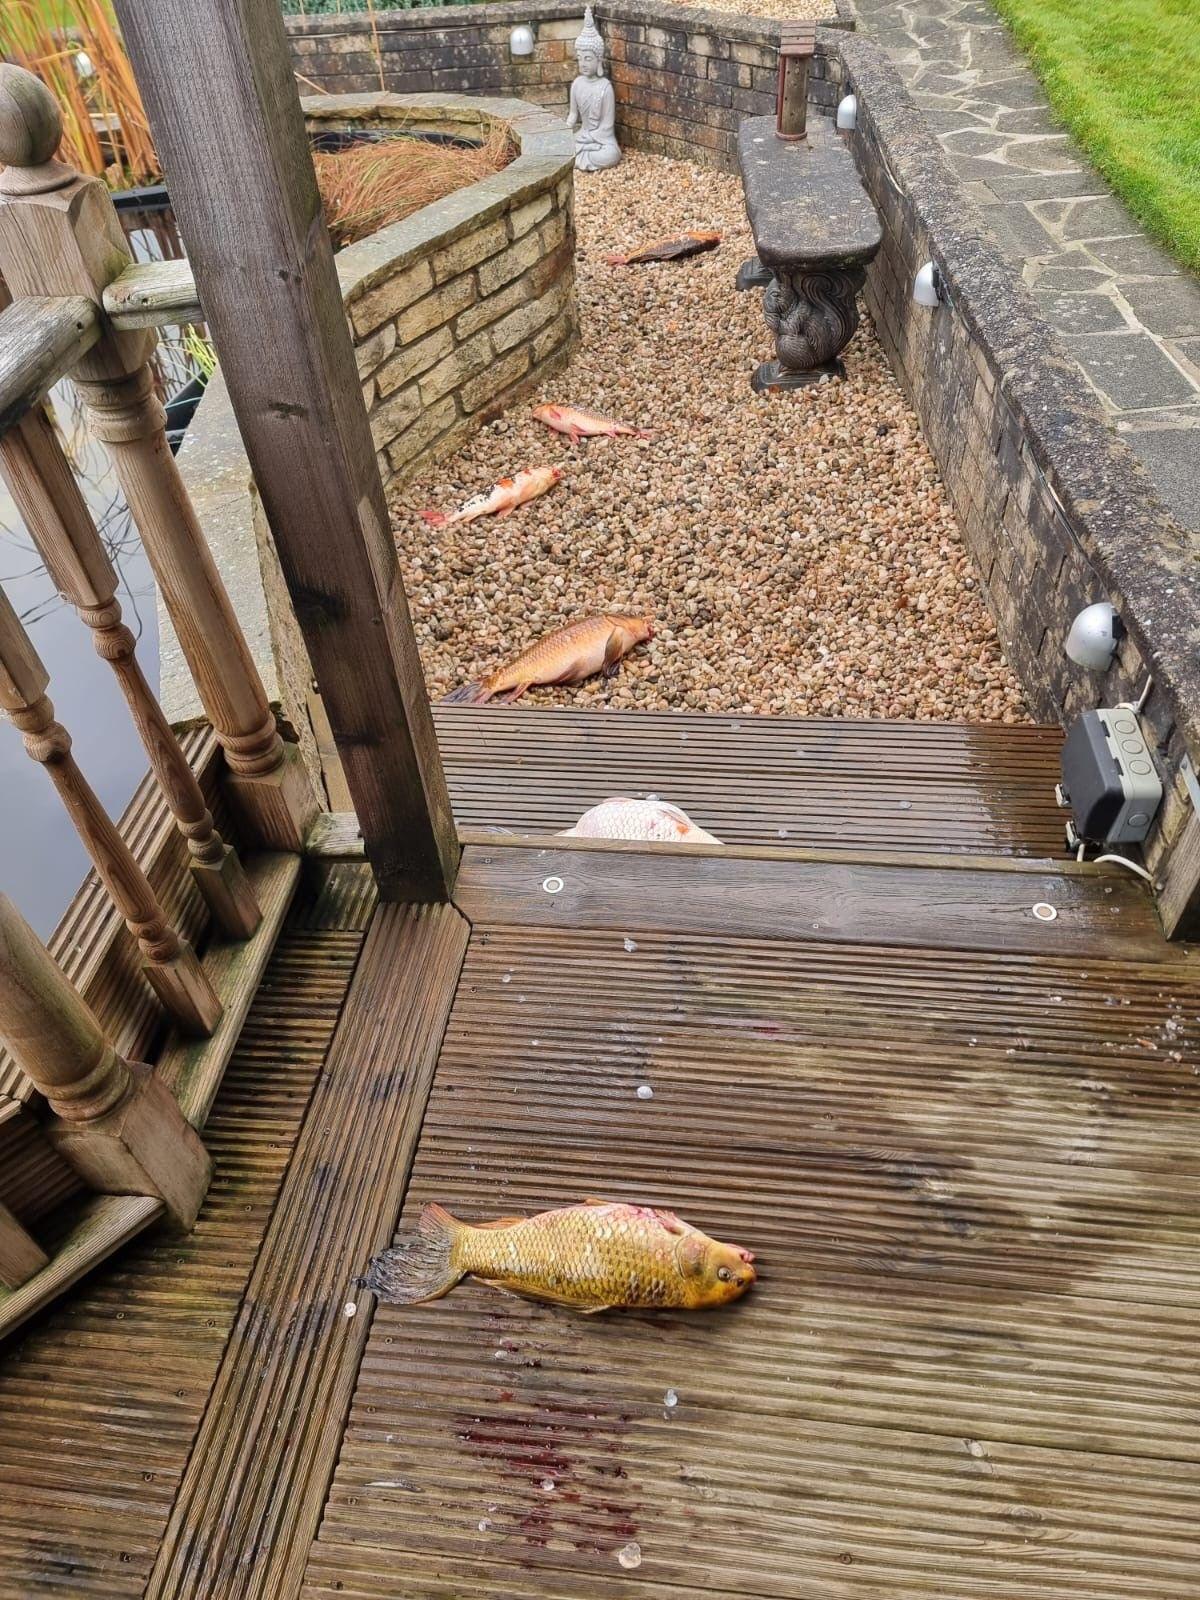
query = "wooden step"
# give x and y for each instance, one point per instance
(902, 786)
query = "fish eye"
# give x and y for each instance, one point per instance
(724, 1274)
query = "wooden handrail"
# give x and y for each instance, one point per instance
(113, 1121)
(60, 234)
(153, 294)
(40, 341)
(170, 962)
(46, 494)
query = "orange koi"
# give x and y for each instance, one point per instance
(501, 500)
(586, 424)
(691, 244)
(568, 655)
(591, 1257)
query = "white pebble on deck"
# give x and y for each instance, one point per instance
(797, 550)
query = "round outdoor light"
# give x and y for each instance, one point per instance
(847, 114)
(1094, 636)
(520, 40)
(928, 287)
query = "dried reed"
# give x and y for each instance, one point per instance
(74, 47)
(369, 185)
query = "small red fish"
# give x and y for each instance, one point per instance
(501, 500)
(586, 424)
(691, 244)
(568, 655)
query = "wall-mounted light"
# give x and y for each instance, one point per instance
(521, 41)
(929, 288)
(847, 114)
(1094, 637)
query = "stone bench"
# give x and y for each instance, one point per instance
(815, 230)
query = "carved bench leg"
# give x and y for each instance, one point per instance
(752, 275)
(813, 316)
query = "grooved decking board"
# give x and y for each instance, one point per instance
(100, 1399)
(965, 907)
(969, 1370)
(905, 786)
(251, 1498)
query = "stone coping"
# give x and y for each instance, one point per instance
(1148, 560)
(212, 459)
(649, 13)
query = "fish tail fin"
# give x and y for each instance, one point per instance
(471, 694)
(422, 1267)
(435, 519)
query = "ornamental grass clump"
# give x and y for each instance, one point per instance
(74, 47)
(369, 185)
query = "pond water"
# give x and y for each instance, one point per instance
(42, 862)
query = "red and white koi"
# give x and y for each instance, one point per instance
(586, 424)
(501, 500)
(655, 821)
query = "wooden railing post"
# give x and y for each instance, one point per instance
(20, 1254)
(170, 962)
(221, 97)
(114, 1121)
(60, 235)
(46, 494)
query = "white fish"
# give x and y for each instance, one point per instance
(652, 820)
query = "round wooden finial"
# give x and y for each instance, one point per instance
(30, 131)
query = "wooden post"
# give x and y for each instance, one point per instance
(114, 1121)
(45, 492)
(222, 103)
(170, 962)
(60, 235)
(20, 1254)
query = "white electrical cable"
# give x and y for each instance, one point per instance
(1124, 861)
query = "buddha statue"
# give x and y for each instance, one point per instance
(593, 107)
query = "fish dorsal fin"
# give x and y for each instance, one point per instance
(590, 1200)
(500, 1222)
(674, 1224)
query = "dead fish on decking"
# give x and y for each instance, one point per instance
(654, 820)
(586, 424)
(690, 244)
(591, 1257)
(502, 498)
(568, 655)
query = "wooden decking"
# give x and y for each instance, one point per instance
(961, 1141)
(898, 786)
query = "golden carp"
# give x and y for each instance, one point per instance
(586, 424)
(590, 1257)
(501, 500)
(568, 655)
(691, 244)
(653, 820)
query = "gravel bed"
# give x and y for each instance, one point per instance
(797, 550)
(799, 10)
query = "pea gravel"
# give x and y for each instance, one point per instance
(797, 550)
(789, 10)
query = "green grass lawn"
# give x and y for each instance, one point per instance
(1124, 75)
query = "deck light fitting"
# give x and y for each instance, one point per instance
(521, 41)
(1094, 636)
(929, 287)
(847, 114)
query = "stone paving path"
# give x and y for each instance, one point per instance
(1129, 313)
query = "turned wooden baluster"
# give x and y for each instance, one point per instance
(170, 962)
(45, 492)
(114, 1121)
(59, 235)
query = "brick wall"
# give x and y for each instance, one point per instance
(461, 308)
(1053, 507)
(683, 79)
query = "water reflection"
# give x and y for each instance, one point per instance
(42, 862)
